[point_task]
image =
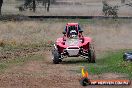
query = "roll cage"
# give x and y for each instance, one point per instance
(72, 26)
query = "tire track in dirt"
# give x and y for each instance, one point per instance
(61, 74)
(39, 74)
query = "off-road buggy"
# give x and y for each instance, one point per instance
(73, 44)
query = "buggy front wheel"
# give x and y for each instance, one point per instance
(56, 56)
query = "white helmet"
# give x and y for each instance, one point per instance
(73, 33)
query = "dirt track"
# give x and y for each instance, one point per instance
(44, 74)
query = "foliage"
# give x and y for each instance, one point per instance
(31, 4)
(110, 10)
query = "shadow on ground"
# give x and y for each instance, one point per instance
(80, 61)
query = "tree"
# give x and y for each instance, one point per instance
(110, 10)
(1, 2)
(31, 4)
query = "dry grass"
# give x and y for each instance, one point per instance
(28, 32)
(116, 35)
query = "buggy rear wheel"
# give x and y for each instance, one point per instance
(56, 56)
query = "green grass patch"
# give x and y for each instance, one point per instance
(111, 62)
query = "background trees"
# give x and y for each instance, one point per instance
(31, 4)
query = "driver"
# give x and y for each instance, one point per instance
(72, 27)
(73, 34)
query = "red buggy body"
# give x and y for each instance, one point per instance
(73, 44)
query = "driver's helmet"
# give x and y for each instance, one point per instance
(73, 33)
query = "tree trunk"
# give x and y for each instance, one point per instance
(1, 2)
(34, 6)
(48, 5)
(0, 10)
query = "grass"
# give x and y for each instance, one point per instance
(96, 21)
(18, 61)
(11, 47)
(27, 33)
(111, 62)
